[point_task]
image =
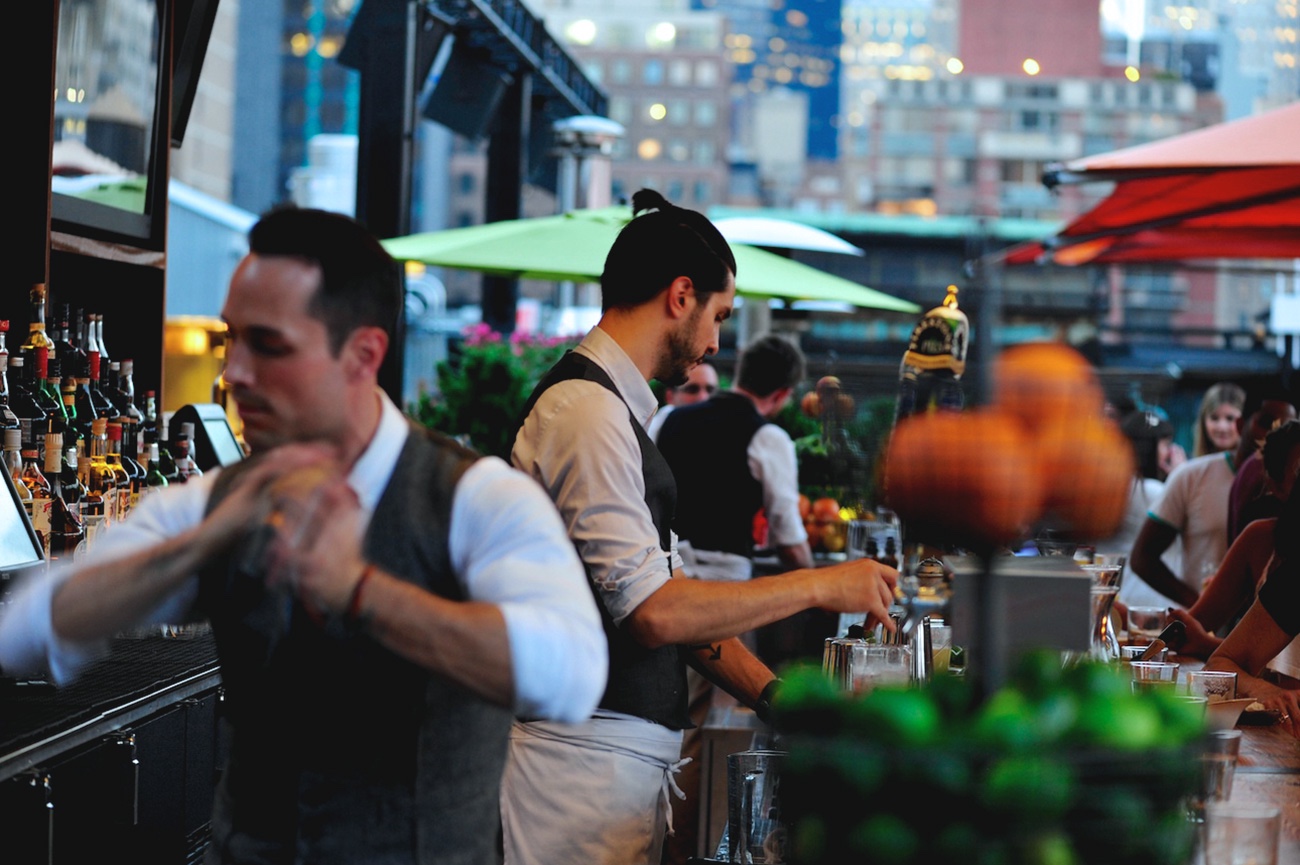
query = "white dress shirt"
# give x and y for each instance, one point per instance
(507, 547)
(579, 444)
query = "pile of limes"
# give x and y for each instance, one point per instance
(1064, 765)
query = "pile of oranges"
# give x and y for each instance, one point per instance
(1041, 452)
(826, 527)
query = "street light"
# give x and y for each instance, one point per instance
(584, 145)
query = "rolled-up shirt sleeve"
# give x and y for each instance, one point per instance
(579, 443)
(773, 463)
(509, 548)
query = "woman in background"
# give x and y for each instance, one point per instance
(1217, 426)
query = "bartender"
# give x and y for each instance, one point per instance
(668, 284)
(382, 599)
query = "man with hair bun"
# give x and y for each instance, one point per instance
(598, 792)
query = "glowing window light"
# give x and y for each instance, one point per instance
(1031, 66)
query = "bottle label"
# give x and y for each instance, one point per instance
(41, 520)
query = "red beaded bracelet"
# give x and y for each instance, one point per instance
(354, 603)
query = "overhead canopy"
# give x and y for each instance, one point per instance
(572, 247)
(1227, 191)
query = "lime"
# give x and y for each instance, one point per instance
(1008, 720)
(884, 838)
(902, 716)
(1183, 720)
(1126, 722)
(1057, 712)
(1050, 848)
(1037, 672)
(1091, 679)
(1028, 787)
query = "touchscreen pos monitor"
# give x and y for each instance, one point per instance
(20, 548)
(214, 442)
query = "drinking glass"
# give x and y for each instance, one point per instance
(1146, 623)
(1218, 768)
(940, 647)
(872, 665)
(1152, 675)
(1105, 587)
(1132, 653)
(754, 829)
(1215, 685)
(1241, 834)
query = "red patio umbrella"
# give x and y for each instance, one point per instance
(1227, 191)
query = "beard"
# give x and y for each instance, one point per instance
(680, 355)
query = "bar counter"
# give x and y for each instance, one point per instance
(123, 761)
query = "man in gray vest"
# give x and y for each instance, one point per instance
(598, 792)
(383, 600)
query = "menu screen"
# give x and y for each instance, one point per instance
(18, 546)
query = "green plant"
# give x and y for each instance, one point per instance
(482, 392)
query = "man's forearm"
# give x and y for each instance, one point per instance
(100, 600)
(1157, 575)
(732, 667)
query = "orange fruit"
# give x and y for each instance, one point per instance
(1043, 382)
(826, 510)
(1088, 469)
(969, 478)
(805, 507)
(811, 404)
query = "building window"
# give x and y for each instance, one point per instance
(679, 150)
(706, 113)
(465, 183)
(706, 73)
(679, 112)
(652, 72)
(703, 191)
(620, 109)
(705, 152)
(675, 190)
(649, 149)
(620, 71)
(679, 73)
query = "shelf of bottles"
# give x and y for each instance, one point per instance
(83, 447)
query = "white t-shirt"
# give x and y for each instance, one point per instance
(1195, 504)
(1144, 495)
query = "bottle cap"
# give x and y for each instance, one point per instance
(98, 426)
(114, 431)
(4, 325)
(53, 451)
(93, 359)
(42, 361)
(13, 439)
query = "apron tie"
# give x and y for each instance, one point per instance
(670, 783)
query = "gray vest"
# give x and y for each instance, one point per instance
(341, 751)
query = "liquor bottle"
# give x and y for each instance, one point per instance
(121, 477)
(103, 405)
(49, 402)
(68, 391)
(186, 467)
(65, 531)
(153, 479)
(8, 420)
(36, 482)
(130, 447)
(89, 342)
(148, 426)
(37, 337)
(97, 503)
(167, 459)
(71, 356)
(127, 384)
(73, 488)
(59, 422)
(12, 458)
(25, 407)
(98, 325)
(890, 556)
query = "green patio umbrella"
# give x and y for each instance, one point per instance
(572, 247)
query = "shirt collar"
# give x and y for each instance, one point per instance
(632, 386)
(373, 469)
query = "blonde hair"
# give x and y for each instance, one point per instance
(1223, 393)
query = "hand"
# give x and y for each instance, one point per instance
(247, 503)
(1284, 704)
(319, 528)
(1200, 642)
(859, 584)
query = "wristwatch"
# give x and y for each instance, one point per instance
(763, 708)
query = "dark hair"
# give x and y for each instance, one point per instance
(660, 243)
(1144, 430)
(1278, 445)
(768, 364)
(1286, 533)
(360, 283)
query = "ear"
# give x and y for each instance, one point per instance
(364, 351)
(678, 296)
